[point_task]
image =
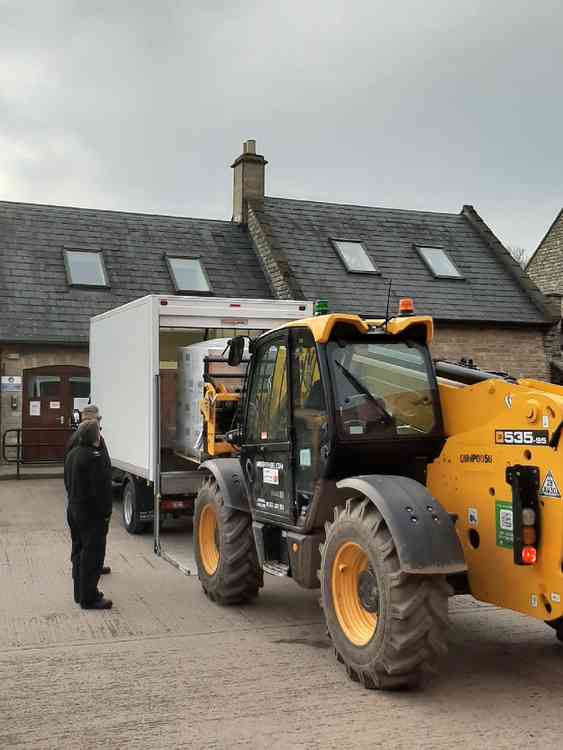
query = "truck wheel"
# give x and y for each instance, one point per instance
(387, 627)
(131, 507)
(225, 551)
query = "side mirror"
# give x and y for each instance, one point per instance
(236, 351)
(234, 437)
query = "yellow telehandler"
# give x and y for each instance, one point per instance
(391, 481)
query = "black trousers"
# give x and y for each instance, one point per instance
(87, 555)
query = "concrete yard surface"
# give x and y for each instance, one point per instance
(166, 668)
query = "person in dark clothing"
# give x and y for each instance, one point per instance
(90, 411)
(88, 484)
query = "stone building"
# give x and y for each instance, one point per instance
(59, 266)
(545, 268)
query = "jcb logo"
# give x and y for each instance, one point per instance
(521, 437)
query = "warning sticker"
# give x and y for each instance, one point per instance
(505, 526)
(550, 488)
(472, 516)
(270, 476)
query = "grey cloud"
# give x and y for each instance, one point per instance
(143, 106)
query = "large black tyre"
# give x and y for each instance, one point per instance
(225, 551)
(131, 506)
(387, 627)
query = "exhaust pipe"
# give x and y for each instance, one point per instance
(466, 374)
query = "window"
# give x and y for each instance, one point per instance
(310, 415)
(381, 390)
(438, 262)
(267, 419)
(354, 256)
(85, 268)
(79, 386)
(43, 386)
(188, 275)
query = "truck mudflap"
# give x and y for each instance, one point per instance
(227, 472)
(422, 530)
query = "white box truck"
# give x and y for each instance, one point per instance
(133, 362)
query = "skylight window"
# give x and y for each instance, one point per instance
(354, 256)
(85, 268)
(188, 275)
(439, 262)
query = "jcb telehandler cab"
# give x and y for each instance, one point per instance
(359, 472)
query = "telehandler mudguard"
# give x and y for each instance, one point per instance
(423, 532)
(227, 472)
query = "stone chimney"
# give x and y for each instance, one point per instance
(248, 180)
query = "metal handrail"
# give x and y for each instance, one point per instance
(18, 446)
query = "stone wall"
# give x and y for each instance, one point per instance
(519, 351)
(546, 266)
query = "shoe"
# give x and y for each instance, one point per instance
(99, 604)
(99, 595)
(105, 570)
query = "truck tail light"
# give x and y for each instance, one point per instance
(170, 505)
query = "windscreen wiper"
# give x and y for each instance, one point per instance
(388, 418)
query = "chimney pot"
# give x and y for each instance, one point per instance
(249, 147)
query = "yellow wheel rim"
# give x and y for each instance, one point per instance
(207, 533)
(356, 622)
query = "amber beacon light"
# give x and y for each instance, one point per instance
(406, 306)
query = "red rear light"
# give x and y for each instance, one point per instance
(163, 301)
(529, 555)
(234, 304)
(167, 505)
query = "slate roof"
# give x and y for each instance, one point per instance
(36, 302)
(494, 289)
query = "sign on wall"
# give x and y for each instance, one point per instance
(10, 383)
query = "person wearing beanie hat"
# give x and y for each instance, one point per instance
(91, 411)
(88, 484)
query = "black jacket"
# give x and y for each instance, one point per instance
(87, 478)
(73, 442)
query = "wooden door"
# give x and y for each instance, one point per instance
(50, 394)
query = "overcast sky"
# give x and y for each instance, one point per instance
(421, 104)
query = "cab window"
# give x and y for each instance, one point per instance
(267, 405)
(381, 389)
(309, 413)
